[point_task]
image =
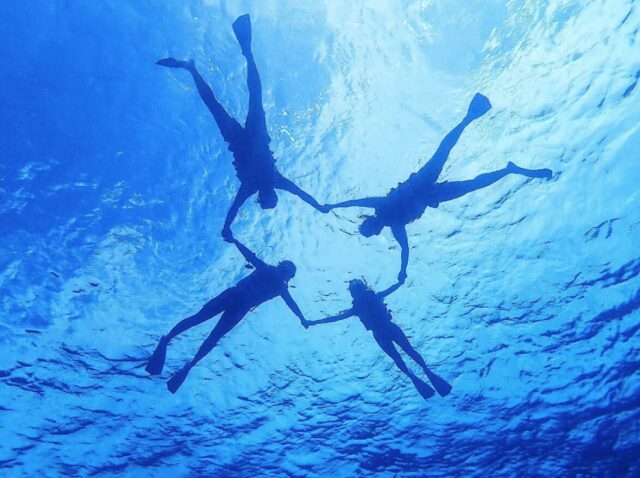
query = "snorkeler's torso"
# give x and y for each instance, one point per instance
(253, 161)
(373, 313)
(261, 285)
(407, 201)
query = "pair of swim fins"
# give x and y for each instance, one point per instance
(242, 30)
(441, 386)
(156, 364)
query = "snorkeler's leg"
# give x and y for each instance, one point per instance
(386, 345)
(229, 128)
(543, 173)
(209, 310)
(256, 123)
(431, 171)
(447, 191)
(287, 185)
(241, 196)
(441, 386)
(228, 321)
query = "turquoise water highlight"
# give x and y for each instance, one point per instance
(114, 185)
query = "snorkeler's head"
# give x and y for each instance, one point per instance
(357, 287)
(287, 270)
(267, 198)
(371, 226)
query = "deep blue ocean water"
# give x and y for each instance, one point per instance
(114, 184)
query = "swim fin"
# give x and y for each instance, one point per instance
(156, 362)
(242, 30)
(172, 63)
(178, 379)
(530, 173)
(425, 390)
(441, 385)
(480, 104)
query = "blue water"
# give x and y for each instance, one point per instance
(114, 184)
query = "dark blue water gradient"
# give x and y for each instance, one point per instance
(114, 184)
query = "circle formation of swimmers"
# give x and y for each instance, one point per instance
(257, 172)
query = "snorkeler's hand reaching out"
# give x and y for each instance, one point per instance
(402, 277)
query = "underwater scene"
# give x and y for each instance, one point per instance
(316, 238)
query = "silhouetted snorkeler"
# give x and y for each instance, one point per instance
(262, 285)
(253, 160)
(408, 201)
(370, 308)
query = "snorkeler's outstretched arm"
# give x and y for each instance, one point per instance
(390, 290)
(289, 186)
(363, 202)
(241, 196)
(248, 254)
(286, 296)
(400, 233)
(334, 318)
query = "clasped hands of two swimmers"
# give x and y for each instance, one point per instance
(256, 170)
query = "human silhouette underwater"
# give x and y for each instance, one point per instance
(408, 201)
(257, 172)
(370, 308)
(263, 284)
(253, 160)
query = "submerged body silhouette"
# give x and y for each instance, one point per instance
(370, 308)
(409, 200)
(262, 285)
(253, 160)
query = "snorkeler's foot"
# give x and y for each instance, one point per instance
(480, 104)
(441, 385)
(178, 379)
(173, 63)
(156, 362)
(242, 30)
(530, 173)
(423, 389)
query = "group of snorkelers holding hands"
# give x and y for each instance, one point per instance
(257, 172)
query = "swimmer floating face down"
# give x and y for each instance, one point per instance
(408, 201)
(370, 308)
(249, 144)
(264, 283)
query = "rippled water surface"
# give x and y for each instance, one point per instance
(114, 184)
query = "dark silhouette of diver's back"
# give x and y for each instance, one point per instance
(253, 160)
(262, 285)
(370, 308)
(408, 201)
